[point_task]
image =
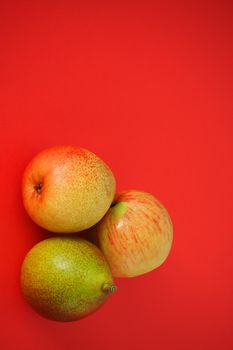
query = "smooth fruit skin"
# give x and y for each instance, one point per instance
(136, 234)
(67, 189)
(65, 278)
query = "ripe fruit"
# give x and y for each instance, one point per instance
(136, 234)
(65, 278)
(67, 189)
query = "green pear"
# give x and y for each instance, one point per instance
(66, 278)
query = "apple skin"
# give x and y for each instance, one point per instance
(136, 234)
(67, 189)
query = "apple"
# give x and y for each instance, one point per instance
(67, 189)
(136, 234)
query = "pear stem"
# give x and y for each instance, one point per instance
(109, 287)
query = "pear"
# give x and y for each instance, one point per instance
(67, 189)
(66, 278)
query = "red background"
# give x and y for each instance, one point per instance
(148, 87)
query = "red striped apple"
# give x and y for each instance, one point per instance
(67, 189)
(136, 234)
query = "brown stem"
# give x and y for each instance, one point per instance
(109, 287)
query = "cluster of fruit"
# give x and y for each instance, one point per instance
(66, 190)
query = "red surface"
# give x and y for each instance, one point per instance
(149, 89)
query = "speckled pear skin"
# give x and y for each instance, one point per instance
(65, 278)
(67, 189)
